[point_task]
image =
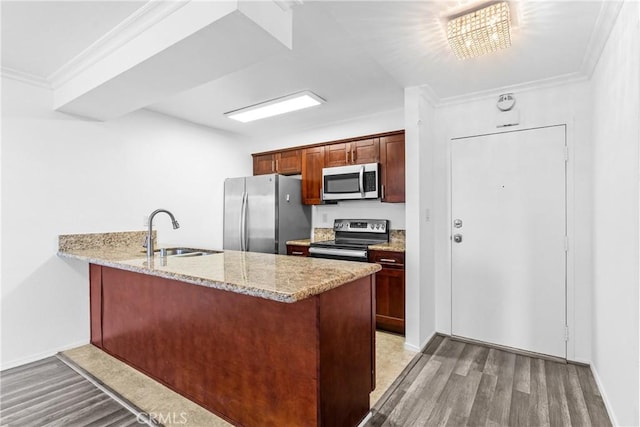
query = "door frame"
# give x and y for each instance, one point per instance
(569, 218)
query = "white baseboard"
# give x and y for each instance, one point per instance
(40, 356)
(603, 393)
(422, 346)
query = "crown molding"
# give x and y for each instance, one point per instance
(135, 24)
(564, 79)
(430, 95)
(609, 11)
(23, 77)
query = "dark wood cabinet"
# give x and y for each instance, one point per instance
(264, 164)
(312, 164)
(365, 151)
(392, 168)
(297, 250)
(336, 155)
(385, 148)
(287, 162)
(250, 360)
(352, 153)
(390, 290)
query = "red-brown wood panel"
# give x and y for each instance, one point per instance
(289, 162)
(337, 155)
(95, 304)
(297, 250)
(312, 164)
(365, 151)
(345, 343)
(392, 168)
(390, 290)
(264, 164)
(250, 360)
(253, 361)
(390, 300)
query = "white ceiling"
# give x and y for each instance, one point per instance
(358, 55)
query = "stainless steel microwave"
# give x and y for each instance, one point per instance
(351, 182)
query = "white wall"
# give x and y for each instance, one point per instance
(323, 216)
(616, 136)
(567, 104)
(422, 219)
(62, 174)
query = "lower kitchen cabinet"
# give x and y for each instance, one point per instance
(390, 290)
(297, 250)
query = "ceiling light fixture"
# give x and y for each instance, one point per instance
(274, 107)
(480, 31)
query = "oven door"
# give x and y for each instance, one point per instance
(351, 182)
(360, 255)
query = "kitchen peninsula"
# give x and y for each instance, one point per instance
(258, 339)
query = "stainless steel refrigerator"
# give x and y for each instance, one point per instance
(262, 212)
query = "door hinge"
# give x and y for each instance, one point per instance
(566, 153)
(566, 333)
(566, 243)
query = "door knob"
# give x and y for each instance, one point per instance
(457, 223)
(457, 238)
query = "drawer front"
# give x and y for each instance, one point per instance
(297, 250)
(387, 258)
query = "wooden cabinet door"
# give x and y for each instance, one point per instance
(297, 250)
(264, 164)
(365, 151)
(390, 290)
(390, 300)
(337, 155)
(312, 164)
(392, 168)
(289, 162)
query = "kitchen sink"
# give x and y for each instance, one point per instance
(185, 252)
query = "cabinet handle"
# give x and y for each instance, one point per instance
(296, 253)
(346, 157)
(387, 260)
(353, 156)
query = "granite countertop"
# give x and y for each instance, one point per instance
(275, 277)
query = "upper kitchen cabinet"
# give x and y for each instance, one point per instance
(352, 153)
(312, 164)
(287, 162)
(392, 168)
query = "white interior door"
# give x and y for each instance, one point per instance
(509, 210)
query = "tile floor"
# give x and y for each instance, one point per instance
(170, 408)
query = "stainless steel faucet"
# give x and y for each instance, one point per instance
(149, 239)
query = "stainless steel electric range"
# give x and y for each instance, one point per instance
(352, 239)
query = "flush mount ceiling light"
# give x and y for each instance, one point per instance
(273, 107)
(480, 31)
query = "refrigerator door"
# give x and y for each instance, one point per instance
(294, 218)
(234, 195)
(260, 222)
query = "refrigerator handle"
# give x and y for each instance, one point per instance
(243, 233)
(242, 220)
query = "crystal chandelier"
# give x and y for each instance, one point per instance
(480, 31)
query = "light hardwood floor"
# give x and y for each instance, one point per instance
(49, 393)
(457, 384)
